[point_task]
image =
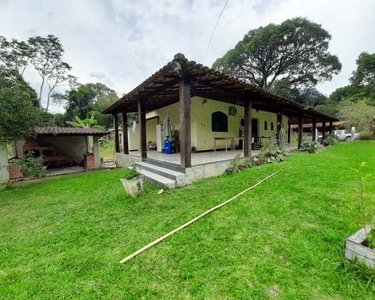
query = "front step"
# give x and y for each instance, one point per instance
(163, 171)
(158, 179)
(159, 175)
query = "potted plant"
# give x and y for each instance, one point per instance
(361, 245)
(133, 183)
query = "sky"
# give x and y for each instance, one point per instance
(121, 42)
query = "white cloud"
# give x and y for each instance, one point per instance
(121, 43)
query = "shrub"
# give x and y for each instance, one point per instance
(272, 153)
(366, 136)
(32, 167)
(131, 174)
(234, 166)
(331, 139)
(371, 238)
(310, 146)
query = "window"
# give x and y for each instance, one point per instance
(271, 125)
(265, 125)
(219, 121)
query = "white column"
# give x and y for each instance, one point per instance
(353, 134)
(4, 172)
(96, 152)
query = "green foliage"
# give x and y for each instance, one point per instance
(286, 235)
(272, 153)
(31, 167)
(329, 108)
(85, 123)
(131, 174)
(296, 51)
(364, 207)
(310, 146)
(371, 238)
(330, 139)
(359, 114)
(82, 100)
(366, 136)
(18, 115)
(364, 75)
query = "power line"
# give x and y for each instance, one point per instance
(213, 32)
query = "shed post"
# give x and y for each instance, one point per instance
(300, 130)
(314, 130)
(279, 126)
(115, 128)
(185, 124)
(4, 172)
(247, 128)
(323, 129)
(289, 132)
(142, 127)
(96, 151)
(125, 141)
(330, 127)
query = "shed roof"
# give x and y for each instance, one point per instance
(69, 131)
(162, 89)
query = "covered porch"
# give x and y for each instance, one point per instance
(178, 82)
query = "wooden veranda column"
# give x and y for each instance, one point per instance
(330, 127)
(125, 142)
(289, 132)
(300, 130)
(323, 129)
(115, 128)
(247, 128)
(185, 124)
(142, 129)
(279, 125)
(314, 130)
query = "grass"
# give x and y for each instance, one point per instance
(64, 237)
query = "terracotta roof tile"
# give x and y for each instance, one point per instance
(69, 131)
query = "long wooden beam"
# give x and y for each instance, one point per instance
(125, 141)
(115, 132)
(185, 124)
(142, 127)
(247, 128)
(300, 130)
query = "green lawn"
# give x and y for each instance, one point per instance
(64, 237)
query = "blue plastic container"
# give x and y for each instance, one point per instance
(167, 147)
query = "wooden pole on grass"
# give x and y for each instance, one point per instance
(193, 220)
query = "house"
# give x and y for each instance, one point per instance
(208, 111)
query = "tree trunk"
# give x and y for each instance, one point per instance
(40, 93)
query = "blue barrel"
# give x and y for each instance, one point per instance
(167, 147)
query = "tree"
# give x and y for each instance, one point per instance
(358, 114)
(18, 115)
(296, 51)
(365, 73)
(309, 97)
(81, 100)
(47, 61)
(16, 55)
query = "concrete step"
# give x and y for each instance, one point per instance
(158, 179)
(164, 164)
(165, 172)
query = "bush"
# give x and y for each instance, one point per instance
(331, 139)
(366, 136)
(131, 174)
(32, 167)
(310, 146)
(272, 153)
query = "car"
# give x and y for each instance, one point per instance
(342, 135)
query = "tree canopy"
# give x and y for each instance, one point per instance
(296, 51)
(18, 114)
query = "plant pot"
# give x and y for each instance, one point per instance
(15, 171)
(133, 187)
(355, 248)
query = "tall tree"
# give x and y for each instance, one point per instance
(16, 55)
(364, 75)
(47, 59)
(18, 115)
(296, 51)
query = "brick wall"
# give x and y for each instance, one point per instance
(89, 161)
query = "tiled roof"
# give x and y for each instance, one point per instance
(70, 131)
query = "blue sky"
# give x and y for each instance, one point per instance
(121, 43)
